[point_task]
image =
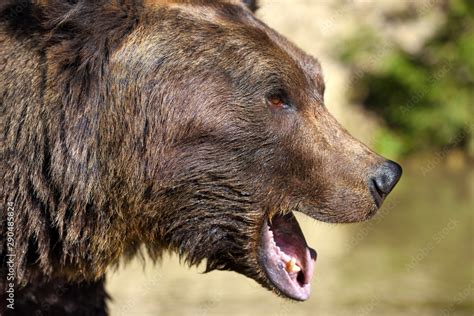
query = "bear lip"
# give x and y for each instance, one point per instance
(282, 239)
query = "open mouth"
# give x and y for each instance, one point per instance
(287, 259)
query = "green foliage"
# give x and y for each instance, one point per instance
(426, 99)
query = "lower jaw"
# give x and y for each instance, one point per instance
(286, 258)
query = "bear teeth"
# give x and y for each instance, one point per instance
(290, 262)
(291, 266)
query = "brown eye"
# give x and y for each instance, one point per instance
(277, 102)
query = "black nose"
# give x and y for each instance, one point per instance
(384, 179)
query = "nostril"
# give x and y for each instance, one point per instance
(378, 188)
(387, 176)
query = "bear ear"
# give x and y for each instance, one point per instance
(251, 4)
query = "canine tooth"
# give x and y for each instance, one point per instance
(291, 266)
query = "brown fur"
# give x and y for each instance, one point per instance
(129, 123)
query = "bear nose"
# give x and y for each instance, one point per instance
(385, 178)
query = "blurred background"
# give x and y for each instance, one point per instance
(400, 76)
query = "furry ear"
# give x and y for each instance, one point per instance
(251, 4)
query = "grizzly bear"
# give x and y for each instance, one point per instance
(159, 125)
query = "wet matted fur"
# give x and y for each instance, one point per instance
(129, 124)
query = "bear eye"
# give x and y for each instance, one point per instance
(277, 102)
